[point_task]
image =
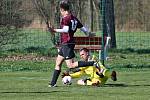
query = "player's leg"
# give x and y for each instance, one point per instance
(57, 70)
(72, 64)
(109, 74)
(63, 53)
(103, 80)
(68, 53)
(106, 72)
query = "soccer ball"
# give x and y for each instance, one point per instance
(66, 80)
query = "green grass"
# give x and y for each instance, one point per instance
(133, 48)
(42, 40)
(125, 59)
(133, 84)
(31, 38)
(12, 66)
(134, 40)
(28, 79)
(118, 59)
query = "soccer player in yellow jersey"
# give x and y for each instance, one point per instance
(98, 75)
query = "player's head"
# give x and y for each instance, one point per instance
(84, 53)
(65, 5)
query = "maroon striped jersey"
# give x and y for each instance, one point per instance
(73, 24)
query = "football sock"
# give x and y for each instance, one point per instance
(85, 63)
(55, 77)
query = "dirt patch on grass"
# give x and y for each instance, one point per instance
(26, 57)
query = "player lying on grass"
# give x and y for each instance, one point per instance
(98, 75)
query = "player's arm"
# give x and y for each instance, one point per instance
(64, 29)
(84, 29)
(74, 73)
(86, 32)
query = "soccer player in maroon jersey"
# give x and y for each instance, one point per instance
(68, 27)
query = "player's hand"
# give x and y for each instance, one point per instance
(51, 29)
(96, 84)
(91, 34)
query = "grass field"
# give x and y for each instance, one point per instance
(132, 84)
(41, 39)
(26, 67)
(134, 48)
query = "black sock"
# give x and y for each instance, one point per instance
(85, 63)
(55, 77)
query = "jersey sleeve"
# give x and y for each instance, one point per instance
(79, 25)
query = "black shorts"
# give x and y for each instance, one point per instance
(67, 51)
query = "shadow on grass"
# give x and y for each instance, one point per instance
(131, 50)
(115, 85)
(33, 92)
(126, 85)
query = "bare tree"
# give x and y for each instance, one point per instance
(11, 19)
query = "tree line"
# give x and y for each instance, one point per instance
(129, 15)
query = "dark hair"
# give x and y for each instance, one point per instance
(64, 4)
(84, 49)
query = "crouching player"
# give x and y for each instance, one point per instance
(97, 75)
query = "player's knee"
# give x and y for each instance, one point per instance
(58, 67)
